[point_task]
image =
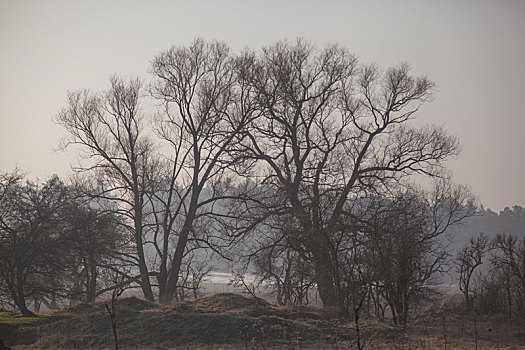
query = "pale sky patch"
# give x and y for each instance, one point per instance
(474, 50)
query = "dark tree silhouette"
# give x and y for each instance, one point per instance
(30, 238)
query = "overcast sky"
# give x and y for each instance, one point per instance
(473, 50)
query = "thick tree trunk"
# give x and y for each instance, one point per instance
(143, 269)
(162, 280)
(21, 305)
(17, 293)
(144, 276)
(325, 284)
(24, 310)
(176, 262)
(325, 276)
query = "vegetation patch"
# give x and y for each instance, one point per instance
(16, 318)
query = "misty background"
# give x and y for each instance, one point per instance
(473, 50)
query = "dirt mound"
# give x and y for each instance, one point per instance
(229, 301)
(131, 303)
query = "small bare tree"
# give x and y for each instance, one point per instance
(508, 258)
(32, 263)
(111, 308)
(468, 259)
(401, 235)
(109, 130)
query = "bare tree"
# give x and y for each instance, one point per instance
(508, 259)
(401, 236)
(356, 279)
(468, 259)
(330, 129)
(118, 289)
(108, 128)
(94, 239)
(281, 264)
(202, 116)
(511, 254)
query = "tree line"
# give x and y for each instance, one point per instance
(294, 160)
(54, 245)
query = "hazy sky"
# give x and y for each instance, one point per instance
(474, 50)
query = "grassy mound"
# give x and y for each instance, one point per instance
(237, 322)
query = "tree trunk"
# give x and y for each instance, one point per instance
(173, 276)
(357, 333)
(326, 277)
(144, 275)
(17, 292)
(325, 284)
(21, 305)
(162, 280)
(143, 269)
(92, 282)
(24, 310)
(467, 299)
(394, 313)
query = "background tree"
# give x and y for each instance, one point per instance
(356, 281)
(31, 265)
(468, 259)
(508, 259)
(402, 238)
(279, 262)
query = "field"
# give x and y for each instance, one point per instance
(232, 321)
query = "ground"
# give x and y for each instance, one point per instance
(232, 321)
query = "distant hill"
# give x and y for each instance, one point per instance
(509, 220)
(488, 222)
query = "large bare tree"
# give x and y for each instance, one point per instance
(331, 129)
